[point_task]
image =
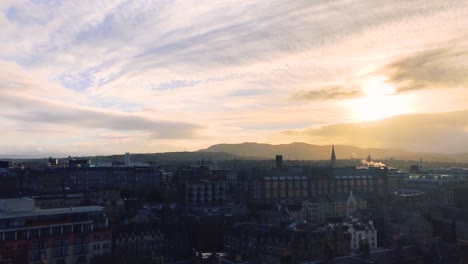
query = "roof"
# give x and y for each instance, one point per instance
(407, 254)
(441, 250)
(340, 197)
(294, 207)
(324, 198)
(54, 211)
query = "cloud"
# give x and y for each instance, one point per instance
(330, 93)
(34, 104)
(444, 132)
(431, 69)
(92, 68)
(36, 111)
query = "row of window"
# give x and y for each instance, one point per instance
(60, 247)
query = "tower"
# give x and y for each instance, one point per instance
(333, 157)
(127, 159)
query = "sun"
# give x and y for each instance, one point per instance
(379, 100)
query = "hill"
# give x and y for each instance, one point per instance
(304, 151)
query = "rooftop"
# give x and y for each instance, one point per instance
(54, 211)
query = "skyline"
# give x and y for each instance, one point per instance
(127, 76)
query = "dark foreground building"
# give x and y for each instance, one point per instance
(60, 235)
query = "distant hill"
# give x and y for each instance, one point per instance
(185, 156)
(170, 156)
(304, 151)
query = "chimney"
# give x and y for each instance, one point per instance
(279, 161)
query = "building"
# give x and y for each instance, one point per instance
(145, 240)
(79, 163)
(130, 179)
(204, 192)
(203, 189)
(318, 209)
(447, 190)
(42, 181)
(56, 180)
(413, 226)
(333, 157)
(60, 235)
(268, 244)
(127, 159)
(59, 200)
(361, 232)
(4, 164)
(292, 184)
(10, 182)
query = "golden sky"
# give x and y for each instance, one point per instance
(82, 77)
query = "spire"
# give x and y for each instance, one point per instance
(369, 159)
(333, 156)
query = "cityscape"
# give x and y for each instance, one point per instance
(81, 210)
(234, 132)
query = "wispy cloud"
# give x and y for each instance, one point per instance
(329, 93)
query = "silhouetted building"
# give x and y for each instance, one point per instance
(10, 182)
(268, 244)
(79, 163)
(5, 164)
(53, 161)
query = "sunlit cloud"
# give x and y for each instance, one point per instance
(433, 69)
(328, 93)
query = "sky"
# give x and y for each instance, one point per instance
(104, 77)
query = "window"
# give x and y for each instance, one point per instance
(38, 249)
(56, 231)
(21, 235)
(10, 235)
(33, 233)
(275, 184)
(60, 247)
(45, 232)
(81, 245)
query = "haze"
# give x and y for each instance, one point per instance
(101, 77)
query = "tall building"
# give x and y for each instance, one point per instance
(127, 159)
(61, 235)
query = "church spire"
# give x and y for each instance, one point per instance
(333, 157)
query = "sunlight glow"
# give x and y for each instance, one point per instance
(379, 101)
